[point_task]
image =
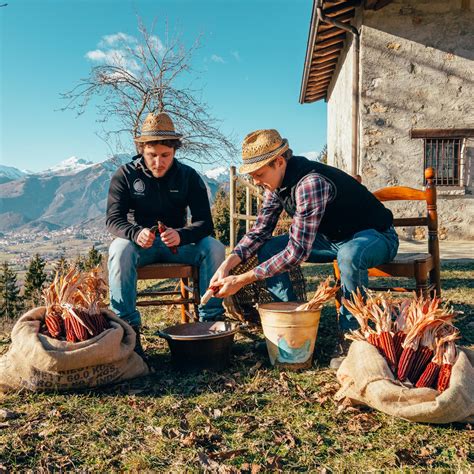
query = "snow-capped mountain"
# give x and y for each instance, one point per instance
(10, 173)
(70, 193)
(220, 174)
(70, 166)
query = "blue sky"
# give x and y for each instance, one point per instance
(251, 64)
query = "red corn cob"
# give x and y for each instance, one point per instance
(161, 229)
(388, 350)
(398, 340)
(70, 334)
(422, 357)
(55, 324)
(373, 339)
(405, 363)
(429, 376)
(449, 357)
(79, 330)
(444, 377)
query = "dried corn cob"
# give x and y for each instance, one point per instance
(161, 229)
(55, 324)
(324, 292)
(430, 375)
(398, 340)
(449, 358)
(425, 349)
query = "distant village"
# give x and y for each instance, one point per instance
(18, 247)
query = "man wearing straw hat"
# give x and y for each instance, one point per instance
(156, 186)
(333, 216)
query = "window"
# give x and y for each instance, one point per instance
(444, 155)
(443, 150)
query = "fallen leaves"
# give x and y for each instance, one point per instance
(6, 415)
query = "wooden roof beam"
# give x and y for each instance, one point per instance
(341, 8)
(326, 51)
(330, 42)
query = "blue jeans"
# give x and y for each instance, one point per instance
(125, 256)
(364, 250)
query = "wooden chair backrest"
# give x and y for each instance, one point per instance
(402, 193)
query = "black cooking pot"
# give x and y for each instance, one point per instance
(203, 345)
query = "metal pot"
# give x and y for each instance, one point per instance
(204, 345)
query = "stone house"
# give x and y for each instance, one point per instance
(397, 76)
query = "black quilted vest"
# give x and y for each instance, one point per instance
(353, 207)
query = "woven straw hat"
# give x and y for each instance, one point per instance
(157, 127)
(260, 148)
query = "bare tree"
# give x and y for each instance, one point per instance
(146, 74)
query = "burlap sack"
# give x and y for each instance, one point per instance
(38, 362)
(366, 379)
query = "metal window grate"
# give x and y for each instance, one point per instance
(444, 155)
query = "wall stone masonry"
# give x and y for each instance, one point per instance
(416, 71)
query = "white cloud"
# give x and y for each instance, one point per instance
(111, 40)
(236, 55)
(113, 57)
(121, 56)
(157, 43)
(217, 59)
(96, 55)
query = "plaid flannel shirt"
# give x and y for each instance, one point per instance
(312, 194)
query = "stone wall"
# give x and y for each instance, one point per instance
(416, 71)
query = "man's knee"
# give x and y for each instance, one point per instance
(348, 259)
(122, 252)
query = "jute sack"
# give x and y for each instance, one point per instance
(365, 378)
(37, 362)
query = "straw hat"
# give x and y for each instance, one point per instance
(157, 127)
(260, 148)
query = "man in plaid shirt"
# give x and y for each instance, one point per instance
(333, 217)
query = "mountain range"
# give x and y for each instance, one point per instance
(72, 193)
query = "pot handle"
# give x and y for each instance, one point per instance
(163, 335)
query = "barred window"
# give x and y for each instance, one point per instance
(443, 150)
(444, 155)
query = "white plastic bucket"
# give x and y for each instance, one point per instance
(290, 335)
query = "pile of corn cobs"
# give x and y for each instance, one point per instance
(416, 336)
(73, 306)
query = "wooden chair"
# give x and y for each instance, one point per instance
(423, 267)
(188, 295)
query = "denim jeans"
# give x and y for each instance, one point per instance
(364, 250)
(125, 256)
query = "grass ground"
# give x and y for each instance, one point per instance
(251, 418)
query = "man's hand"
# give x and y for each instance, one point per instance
(228, 286)
(170, 237)
(220, 274)
(145, 238)
(232, 284)
(225, 267)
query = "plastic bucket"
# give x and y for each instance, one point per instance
(290, 335)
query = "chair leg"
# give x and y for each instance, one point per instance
(185, 295)
(196, 293)
(421, 279)
(337, 277)
(436, 282)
